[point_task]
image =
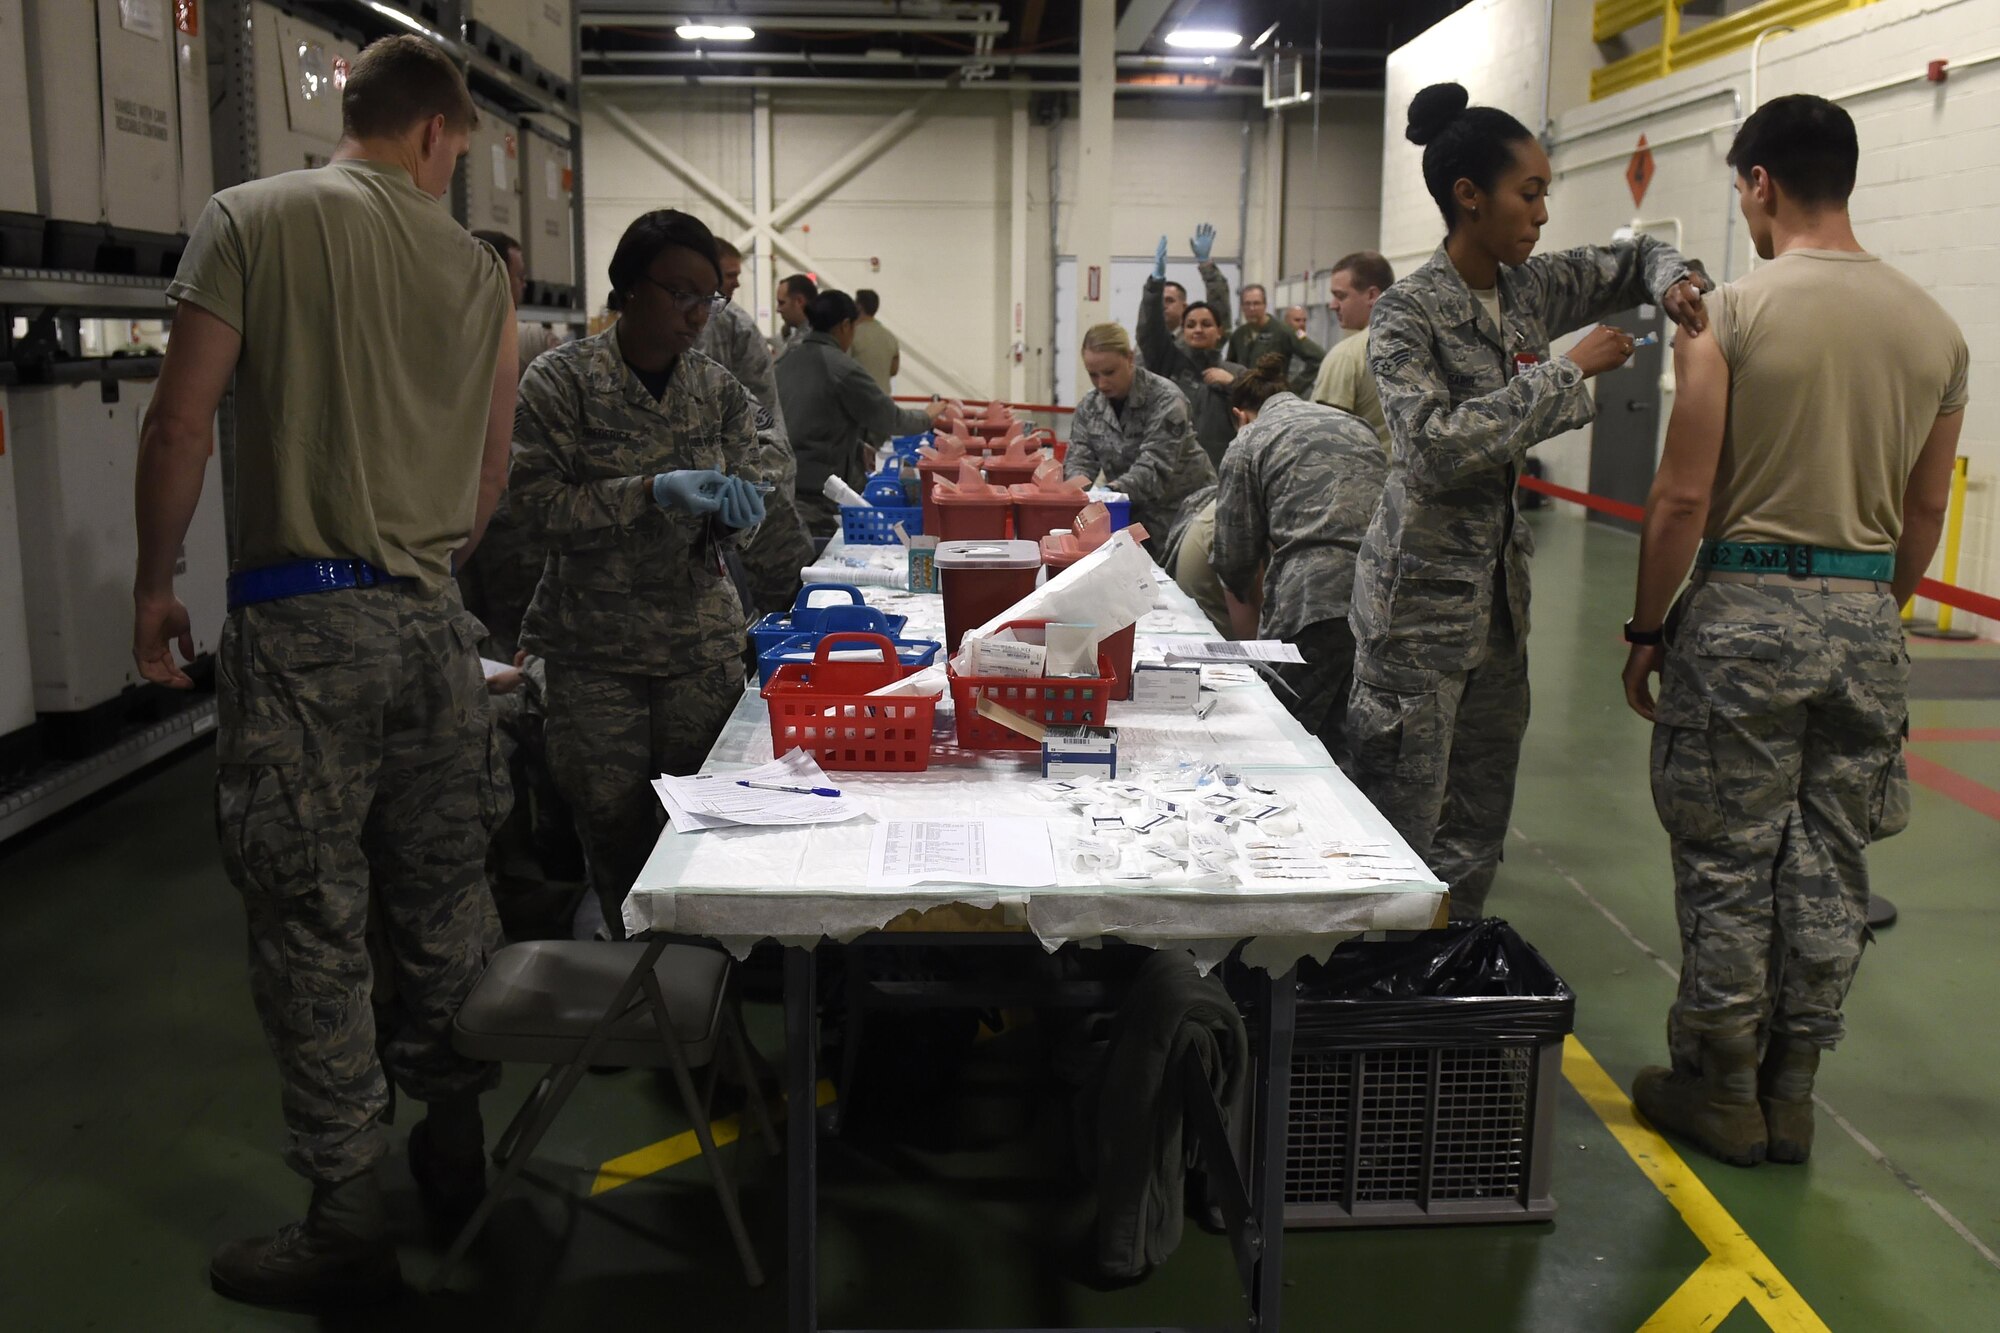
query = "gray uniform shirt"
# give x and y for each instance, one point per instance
(829, 403)
(1464, 402)
(1297, 490)
(1147, 450)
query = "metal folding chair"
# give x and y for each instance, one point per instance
(572, 1004)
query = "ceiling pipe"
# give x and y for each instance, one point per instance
(696, 83)
(971, 27)
(1180, 64)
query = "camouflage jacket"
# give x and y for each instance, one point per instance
(731, 338)
(1167, 355)
(1464, 402)
(1148, 450)
(628, 585)
(1215, 291)
(1297, 490)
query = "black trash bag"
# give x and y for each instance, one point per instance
(1477, 984)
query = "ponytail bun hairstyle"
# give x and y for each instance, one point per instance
(1252, 391)
(1460, 142)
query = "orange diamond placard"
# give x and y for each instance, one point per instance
(1639, 172)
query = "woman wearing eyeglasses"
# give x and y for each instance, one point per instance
(635, 462)
(831, 405)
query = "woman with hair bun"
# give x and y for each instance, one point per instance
(1297, 488)
(1460, 354)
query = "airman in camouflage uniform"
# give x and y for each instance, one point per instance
(780, 548)
(1440, 612)
(1170, 356)
(1144, 447)
(1814, 471)
(1298, 488)
(640, 625)
(1215, 291)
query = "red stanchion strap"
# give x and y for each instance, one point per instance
(1978, 603)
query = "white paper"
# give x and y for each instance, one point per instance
(1224, 650)
(500, 167)
(490, 668)
(1014, 853)
(1108, 589)
(719, 800)
(148, 18)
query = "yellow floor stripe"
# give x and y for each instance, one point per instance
(684, 1146)
(1737, 1270)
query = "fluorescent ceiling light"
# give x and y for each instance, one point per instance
(1204, 39)
(714, 32)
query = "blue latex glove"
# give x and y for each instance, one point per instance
(742, 504)
(1160, 260)
(695, 491)
(1202, 242)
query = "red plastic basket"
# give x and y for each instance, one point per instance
(1060, 701)
(825, 707)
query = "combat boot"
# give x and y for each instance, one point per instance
(338, 1256)
(448, 1161)
(1784, 1087)
(1715, 1109)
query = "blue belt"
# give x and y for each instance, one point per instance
(1796, 561)
(296, 578)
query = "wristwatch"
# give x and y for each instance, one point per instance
(1644, 638)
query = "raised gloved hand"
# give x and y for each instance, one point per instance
(1202, 242)
(1160, 260)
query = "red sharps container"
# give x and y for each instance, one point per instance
(982, 579)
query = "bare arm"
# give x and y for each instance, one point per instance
(174, 444)
(1677, 506)
(1924, 501)
(499, 435)
(1243, 616)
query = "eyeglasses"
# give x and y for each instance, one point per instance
(685, 302)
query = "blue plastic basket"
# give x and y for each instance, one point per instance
(805, 618)
(912, 653)
(1118, 511)
(884, 490)
(875, 525)
(906, 446)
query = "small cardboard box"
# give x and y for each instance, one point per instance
(1166, 686)
(1080, 752)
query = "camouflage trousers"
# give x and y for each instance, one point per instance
(499, 580)
(1322, 683)
(1777, 758)
(354, 749)
(1438, 751)
(609, 735)
(775, 554)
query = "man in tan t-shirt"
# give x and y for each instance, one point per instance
(372, 346)
(1344, 379)
(1804, 476)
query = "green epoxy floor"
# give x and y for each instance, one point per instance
(139, 1122)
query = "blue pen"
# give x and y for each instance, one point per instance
(1646, 341)
(796, 791)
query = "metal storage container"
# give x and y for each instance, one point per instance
(75, 449)
(17, 692)
(106, 131)
(501, 30)
(490, 175)
(297, 70)
(552, 40)
(548, 232)
(20, 202)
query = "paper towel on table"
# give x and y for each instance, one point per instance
(930, 680)
(1108, 589)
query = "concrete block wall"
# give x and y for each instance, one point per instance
(934, 208)
(1927, 196)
